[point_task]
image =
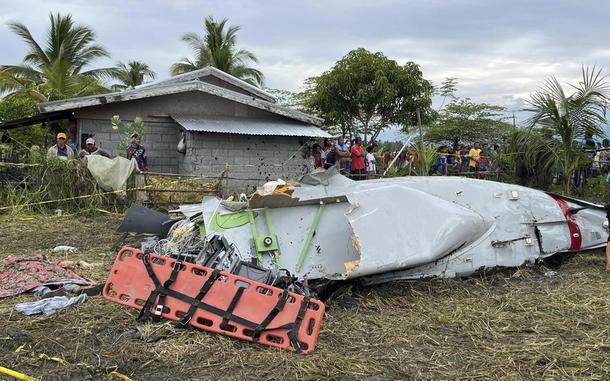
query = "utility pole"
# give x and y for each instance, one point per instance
(421, 140)
(514, 124)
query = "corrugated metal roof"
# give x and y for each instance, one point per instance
(248, 126)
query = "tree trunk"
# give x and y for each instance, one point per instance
(567, 173)
(376, 133)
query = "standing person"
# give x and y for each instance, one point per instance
(308, 156)
(475, 155)
(375, 145)
(484, 161)
(464, 155)
(371, 169)
(61, 150)
(342, 154)
(387, 159)
(91, 149)
(330, 159)
(604, 158)
(442, 161)
(327, 147)
(455, 160)
(358, 168)
(451, 156)
(316, 153)
(138, 152)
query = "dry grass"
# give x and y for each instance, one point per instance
(166, 190)
(512, 325)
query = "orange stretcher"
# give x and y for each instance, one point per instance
(214, 301)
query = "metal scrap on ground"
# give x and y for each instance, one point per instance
(328, 228)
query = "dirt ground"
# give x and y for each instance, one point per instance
(513, 325)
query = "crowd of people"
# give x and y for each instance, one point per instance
(460, 158)
(361, 163)
(465, 158)
(62, 150)
(354, 160)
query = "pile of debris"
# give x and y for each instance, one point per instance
(289, 241)
(200, 280)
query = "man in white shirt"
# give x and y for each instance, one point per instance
(371, 168)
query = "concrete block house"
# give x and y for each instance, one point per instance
(224, 121)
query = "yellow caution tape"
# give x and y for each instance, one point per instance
(20, 348)
(118, 375)
(52, 358)
(77, 197)
(20, 376)
(222, 174)
(15, 374)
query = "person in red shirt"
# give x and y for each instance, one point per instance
(358, 154)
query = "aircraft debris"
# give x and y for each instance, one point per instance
(327, 228)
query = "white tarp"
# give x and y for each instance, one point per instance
(110, 174)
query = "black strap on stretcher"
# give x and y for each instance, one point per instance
(184, 322)
(160, 290)
(163, 290)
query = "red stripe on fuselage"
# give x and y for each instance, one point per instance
(575, 237)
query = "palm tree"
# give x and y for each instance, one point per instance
(569, 118)
(69, 49)
(217, 48)
(12, 85)
(131, 75)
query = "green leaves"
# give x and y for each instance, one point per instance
(128, 129)
(365, 92)
(131, 75)
(569, 118)
(463, 121)
(217, 48)
(55, 70)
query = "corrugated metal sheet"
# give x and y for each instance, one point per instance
(248, 126)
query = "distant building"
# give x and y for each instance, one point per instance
(224, 120)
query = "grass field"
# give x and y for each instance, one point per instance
(510, 325)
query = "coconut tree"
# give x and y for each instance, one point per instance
(569, 119)
(57, 83)
(68, 50)
(217, 48)
(11, 85)
(131, 75)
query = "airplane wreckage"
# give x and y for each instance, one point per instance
(293, 240)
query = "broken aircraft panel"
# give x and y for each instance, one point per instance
(330, 227)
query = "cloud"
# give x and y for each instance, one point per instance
(500, 51)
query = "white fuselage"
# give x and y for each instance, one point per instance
(416, 227)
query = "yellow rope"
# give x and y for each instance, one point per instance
(73, 198)
(43, 356)
(116, 374)
(15, 374)
(81, 197)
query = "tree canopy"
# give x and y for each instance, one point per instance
(567, 120)
(217, 47)
(465, 121)
(56, 69)
(365, 92)
(132, 74)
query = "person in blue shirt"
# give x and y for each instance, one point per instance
(442, 161)
(61, 150)
(342, 154)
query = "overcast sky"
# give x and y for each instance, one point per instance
(500, 51)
